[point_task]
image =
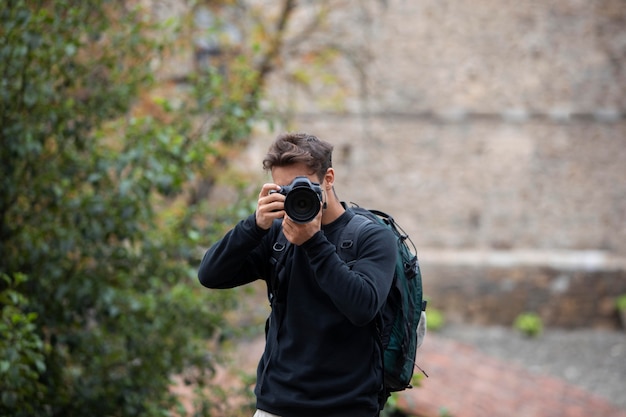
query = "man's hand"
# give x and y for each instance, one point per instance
(298, 233)
(269, 206)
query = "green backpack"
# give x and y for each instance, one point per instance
(401, 326)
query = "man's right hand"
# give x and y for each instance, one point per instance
(269, 206)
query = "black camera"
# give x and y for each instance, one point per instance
(302, 199)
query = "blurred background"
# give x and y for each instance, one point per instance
(494, 132)
(132, 138)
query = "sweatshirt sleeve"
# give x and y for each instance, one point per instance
(236, 259)
(358, 292)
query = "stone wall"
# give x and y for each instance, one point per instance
(489, 126)
(494, 55)
(487, 294)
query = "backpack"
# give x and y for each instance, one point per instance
(401, 327)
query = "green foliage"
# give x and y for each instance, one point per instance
(22, 352)
(620, 303)
(91, 213)
(436, 319)
(529, 324)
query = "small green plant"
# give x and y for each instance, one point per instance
(529, 324)
(620, 304)
(435, 319)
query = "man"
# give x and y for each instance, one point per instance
(321, 356)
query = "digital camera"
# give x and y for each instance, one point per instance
(302, 199)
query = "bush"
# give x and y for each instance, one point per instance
(22, 352)
(436, 319)
(91, 213)
(529, 324)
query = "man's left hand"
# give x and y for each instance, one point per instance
(298, 233)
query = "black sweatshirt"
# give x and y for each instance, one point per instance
(321, 357)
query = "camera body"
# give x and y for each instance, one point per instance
(302, 199)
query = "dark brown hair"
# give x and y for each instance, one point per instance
(293, 148)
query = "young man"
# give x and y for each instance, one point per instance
(321, 357)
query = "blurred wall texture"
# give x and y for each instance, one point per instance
(495, 132)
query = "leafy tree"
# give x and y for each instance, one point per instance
(100, 306)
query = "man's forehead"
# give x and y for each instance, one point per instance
(285, 175)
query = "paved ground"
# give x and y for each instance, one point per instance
(477, 371)
(496, 372)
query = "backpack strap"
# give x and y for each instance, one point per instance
(347, 248)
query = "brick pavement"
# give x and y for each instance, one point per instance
(468, 383)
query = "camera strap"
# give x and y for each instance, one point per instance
(277, 283)
(277, 261)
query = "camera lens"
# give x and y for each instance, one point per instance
(302, 204)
